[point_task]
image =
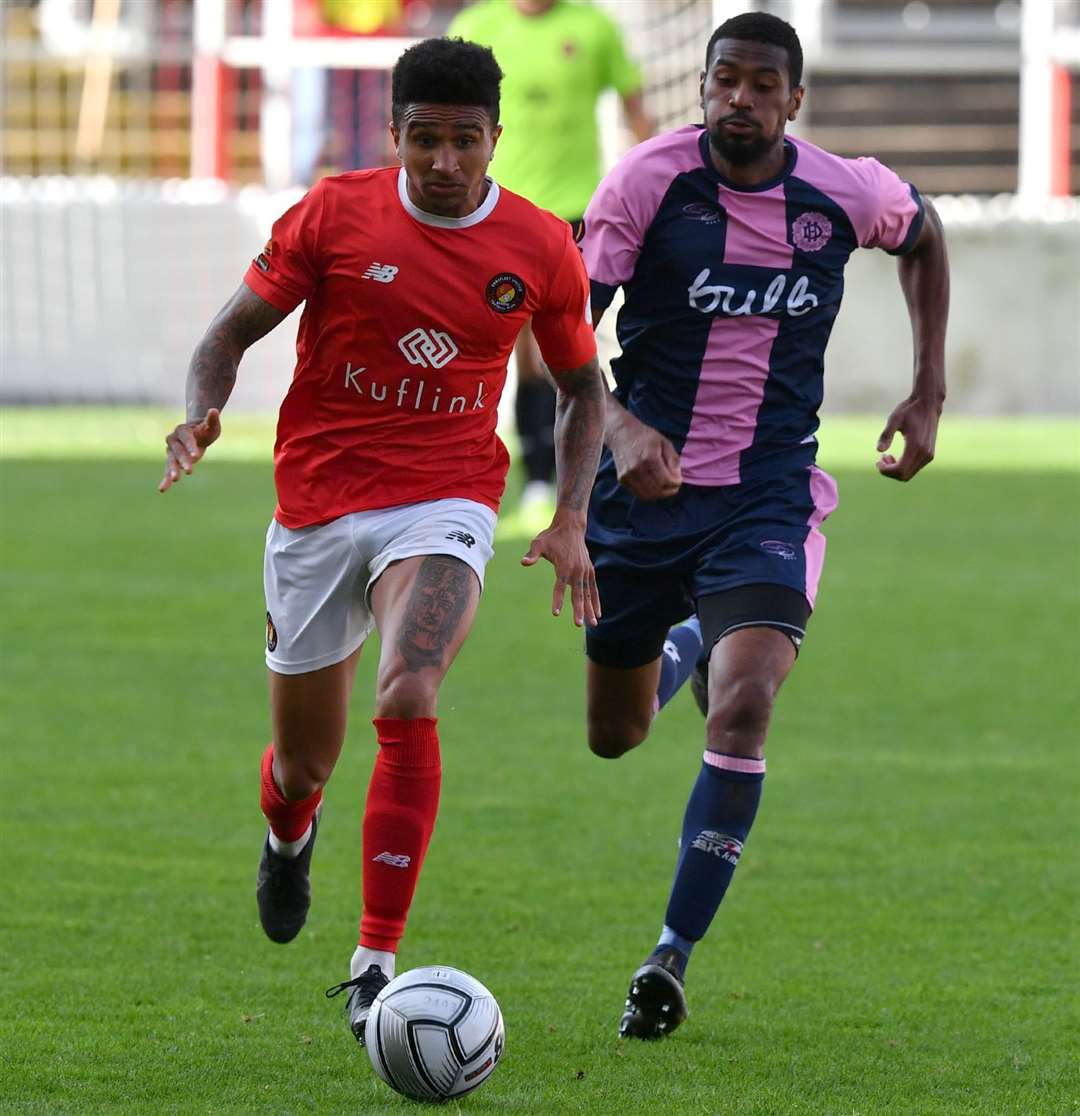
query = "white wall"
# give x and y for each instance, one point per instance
(105, 289)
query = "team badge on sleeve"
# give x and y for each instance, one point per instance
(262, 260)
(505, 292)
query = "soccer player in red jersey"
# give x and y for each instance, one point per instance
(416, 281)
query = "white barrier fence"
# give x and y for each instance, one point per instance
(106, 287)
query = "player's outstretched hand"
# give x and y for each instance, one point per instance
(563, 545)
(186, 445)
(917, 420)
(646, 463)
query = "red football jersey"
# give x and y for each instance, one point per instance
(403, 344)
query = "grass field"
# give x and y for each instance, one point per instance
(902, 934)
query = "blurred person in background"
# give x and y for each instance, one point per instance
(730, 241)
(558, 56)
(357, 122)
(416, 281)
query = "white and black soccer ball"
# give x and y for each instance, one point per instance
(434, 1033)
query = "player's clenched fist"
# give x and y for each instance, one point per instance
(186, 444)
(646, 463)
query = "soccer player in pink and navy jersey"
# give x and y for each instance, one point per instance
(730, 242)
(416, 282)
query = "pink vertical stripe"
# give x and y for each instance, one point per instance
(732, 384)
(756, 228)
(735, 763)
(823, 494)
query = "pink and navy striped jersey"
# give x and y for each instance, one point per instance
(731, 292)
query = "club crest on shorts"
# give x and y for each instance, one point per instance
(505, 292)
(810, 232)
(271, 633)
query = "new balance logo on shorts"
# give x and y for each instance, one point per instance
(462, 537)
(727, 848)
(395, 860)
(381, 273)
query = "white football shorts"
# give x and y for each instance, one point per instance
(318, 580)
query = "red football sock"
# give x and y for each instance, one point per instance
(399, 815)
(288, 820)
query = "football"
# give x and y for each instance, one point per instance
(435, 1033)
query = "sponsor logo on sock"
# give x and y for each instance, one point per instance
(719, 844)
(672, 651)
(395, 860)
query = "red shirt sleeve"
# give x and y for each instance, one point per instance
(563, 324)
(287, 270)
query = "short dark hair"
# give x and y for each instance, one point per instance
(446, 72)
(760, 27)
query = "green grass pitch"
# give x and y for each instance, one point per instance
(901, 936)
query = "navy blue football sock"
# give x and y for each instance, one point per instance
(718, 817)
(672, 940)
(682, 649)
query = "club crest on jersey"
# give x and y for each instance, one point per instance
(505, 292)
(271, 633)
(810, 232)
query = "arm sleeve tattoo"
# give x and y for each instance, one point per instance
(212, 372)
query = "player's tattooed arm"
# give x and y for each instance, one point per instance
(440, 594)
(924, 279)
(211, 375)
(238, 325)
(579, 435)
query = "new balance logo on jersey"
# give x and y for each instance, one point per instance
(709, 299)
(381, 273)
(394, 860)
(719, 844)
(428, 348)
(462, 537)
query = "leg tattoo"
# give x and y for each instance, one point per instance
(439, 596)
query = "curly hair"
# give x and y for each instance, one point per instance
(760, 27)
(446, 72)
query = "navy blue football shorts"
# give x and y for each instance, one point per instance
(745, 555)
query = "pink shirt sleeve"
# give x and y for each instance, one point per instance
(893, 215)
(611, 240)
